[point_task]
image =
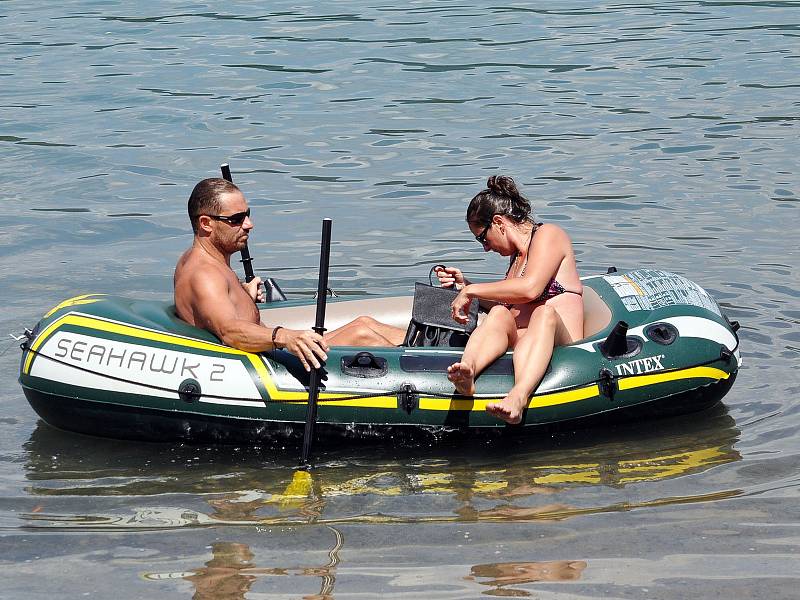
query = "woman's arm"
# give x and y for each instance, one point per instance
(549, 248)
(453, 277)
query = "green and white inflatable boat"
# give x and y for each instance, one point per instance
(124, 368)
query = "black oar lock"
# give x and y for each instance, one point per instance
(618, 344)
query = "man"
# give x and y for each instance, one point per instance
(208, 294)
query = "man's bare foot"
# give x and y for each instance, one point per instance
(463, 377)
(509, 409)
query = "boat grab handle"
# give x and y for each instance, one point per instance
(364, 364)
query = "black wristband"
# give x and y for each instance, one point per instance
(274, 333)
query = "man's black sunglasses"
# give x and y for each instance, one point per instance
(481, 237)
(235, 219)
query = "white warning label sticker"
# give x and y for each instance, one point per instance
(647, 289)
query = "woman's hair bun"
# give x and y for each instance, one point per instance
(503, 185)
(501, 197)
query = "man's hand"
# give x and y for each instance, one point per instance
(255, 290)
(306, 345)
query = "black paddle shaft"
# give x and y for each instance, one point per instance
(247, 261)
(319, 327)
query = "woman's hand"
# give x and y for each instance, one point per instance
(459, 306)
(450, 277)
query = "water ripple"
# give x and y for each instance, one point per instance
(659, 133)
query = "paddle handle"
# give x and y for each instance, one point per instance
(247, 261)
(319, 327)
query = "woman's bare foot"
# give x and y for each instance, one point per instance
(509, 409)
(463, 377)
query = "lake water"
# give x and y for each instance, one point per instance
(659, 134)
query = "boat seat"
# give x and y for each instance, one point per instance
(393, 311)
(397, 311)
(596, 314)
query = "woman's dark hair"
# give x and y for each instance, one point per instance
(205, 198)
(501, 197)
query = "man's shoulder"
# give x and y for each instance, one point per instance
(194, 260)
(193, 270)
(195, 281)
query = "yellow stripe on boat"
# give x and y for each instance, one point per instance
(275, 394)
(109, 326)
(386, 400)
(629, 383)
(479, 404)
(77, 300)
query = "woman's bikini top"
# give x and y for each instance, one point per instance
(553, 288)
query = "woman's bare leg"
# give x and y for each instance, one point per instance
(491, 339)
(532, 354)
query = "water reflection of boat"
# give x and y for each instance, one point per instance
(505, 480)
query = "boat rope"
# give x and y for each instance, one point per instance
(725, 355)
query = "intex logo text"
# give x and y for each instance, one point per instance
(641, 365)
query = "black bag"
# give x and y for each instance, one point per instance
(431, 322)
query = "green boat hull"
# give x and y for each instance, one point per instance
(124, 368)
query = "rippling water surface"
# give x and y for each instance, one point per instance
(657, 133)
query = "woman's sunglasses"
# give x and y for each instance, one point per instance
(481, 237)
(236, 219)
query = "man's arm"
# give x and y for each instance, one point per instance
(213, 310)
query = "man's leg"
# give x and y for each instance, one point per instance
(365, 331)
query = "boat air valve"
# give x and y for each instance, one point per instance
(189, 390)
(661, 333)
(407, 397)
(618, 344)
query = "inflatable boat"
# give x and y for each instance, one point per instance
(655, 343)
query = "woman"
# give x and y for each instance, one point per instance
(537, 306)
